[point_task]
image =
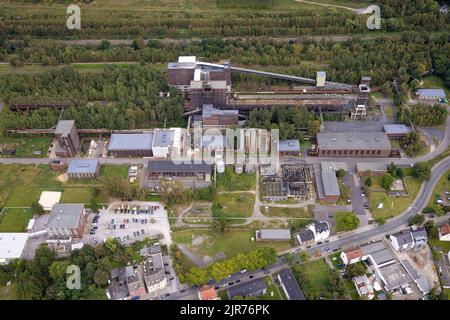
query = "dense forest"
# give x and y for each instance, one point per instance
(423, 115)
(118, 98)
(407, 57)
(45, 22)
(292, 122)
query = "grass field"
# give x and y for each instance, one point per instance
(314, 278)
(20, 185)
(271, 289)
(209, 243)
(230, 181)
(288, 212)
(392, 206)
(236, 205)
(442, 245)
(14, 220)
(442, 185)
(26, 146)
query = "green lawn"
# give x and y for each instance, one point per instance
(443, 245)
(339, 217)
(345, 192)
(25, 146)
(236, 205)
(447, 291)
(442, 185)
(230, 181)
(209, 243)
(392, 206)
(314, 278)
(288, 212)
(14, 220)
(20, 185)
(337, 260)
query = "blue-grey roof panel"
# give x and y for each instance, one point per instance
(140, 141)
(83, 166)
(439, 92)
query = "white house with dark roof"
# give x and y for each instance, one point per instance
(314, 232)
(413, 238)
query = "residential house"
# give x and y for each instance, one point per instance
(444, 232)
(364, 286)
(290, 285)
(314, 232)
(252, 288)
(413, 238)
(207, 292)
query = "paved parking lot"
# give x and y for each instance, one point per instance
(130, 224)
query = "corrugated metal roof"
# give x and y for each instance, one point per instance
(83, 166)
(438, 92)
(353, 141)
(330, 183)
(141, 141)
(163, 138)
(290, 285)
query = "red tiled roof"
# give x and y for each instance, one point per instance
(207, 292)
(444, 229)
(353, 253)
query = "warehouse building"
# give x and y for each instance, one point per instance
(207, 92)
(217, 118)
(353, 145)
(83, 168)
(12, 246)
(430, 94)
(396, 131)
(191, 174)
(131, 145)
(290, 285)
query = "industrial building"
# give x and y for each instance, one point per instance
(68, 139)
(371, 168)
(83, 168)
(396, 131)
(12, 246)
(191, 174)
(131, 145)
(353, 145)
(289, 148)
(295, 181)
(216, 118)
(166, 142)
(67, 220)
(430, 94)
(327, 184)
(207, 92)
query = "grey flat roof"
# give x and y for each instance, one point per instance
(168, 166)
(163, 137)
(247, 288)
(290, 284)
(410, 269)
(289, 145)
(208, 110)
(213, 141)
(274, 234)
(353, 141)
(141, 141)
(83, 166)
(379, 252)
(330, 183)
(370, 166)
(65, 215)
(438, 92)
(396, 129)
(64, 126)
